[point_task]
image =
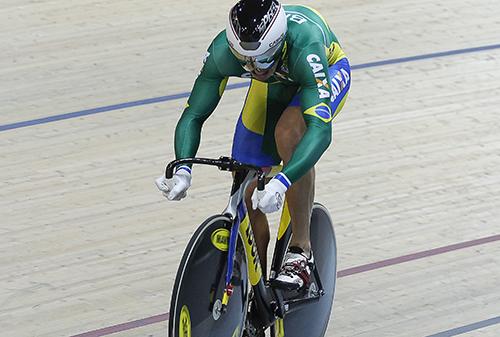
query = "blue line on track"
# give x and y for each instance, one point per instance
(468, 328)
(87, 112)
(426, 56)
(104, 109)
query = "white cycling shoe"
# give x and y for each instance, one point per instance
(296, 271)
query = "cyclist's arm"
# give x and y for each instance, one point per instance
(311, 69)
(205, 96)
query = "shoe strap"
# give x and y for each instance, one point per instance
(298, 250)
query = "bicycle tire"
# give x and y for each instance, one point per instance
(200, 282)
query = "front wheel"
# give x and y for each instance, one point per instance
(199, 285)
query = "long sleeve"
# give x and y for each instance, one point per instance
(205, 96)
(311, 67)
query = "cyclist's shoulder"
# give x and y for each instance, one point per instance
(306, 27)
(219, 48)
(308, 33)
(219, 55)
(302, 11)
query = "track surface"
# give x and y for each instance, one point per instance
(412, 178)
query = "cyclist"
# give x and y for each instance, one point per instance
(300, 78)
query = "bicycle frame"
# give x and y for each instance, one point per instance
(236, 210)
(270, 302)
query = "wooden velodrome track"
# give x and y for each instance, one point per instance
(88, 246)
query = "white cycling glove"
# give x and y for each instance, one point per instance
(176, 187)
(272, 197)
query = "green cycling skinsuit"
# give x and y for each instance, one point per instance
(313, 73)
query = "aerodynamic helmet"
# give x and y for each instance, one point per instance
(256, 31)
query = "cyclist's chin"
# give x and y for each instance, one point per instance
(263, 75)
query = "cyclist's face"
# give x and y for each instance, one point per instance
(262, 66)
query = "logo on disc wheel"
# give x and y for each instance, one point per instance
(184, 323)
(220, 239)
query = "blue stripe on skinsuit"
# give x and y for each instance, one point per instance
(247, 147)
(343, 71)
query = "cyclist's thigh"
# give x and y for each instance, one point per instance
(253, 140)
(289, 131)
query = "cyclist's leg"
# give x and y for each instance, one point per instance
(300, 196)
(260, 227)
(254, 143)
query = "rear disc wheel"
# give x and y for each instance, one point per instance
(312, 320)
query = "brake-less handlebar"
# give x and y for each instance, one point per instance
(223, 163)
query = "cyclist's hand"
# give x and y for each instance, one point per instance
(176, 187)
(271, 198)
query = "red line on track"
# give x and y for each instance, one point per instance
(342, 273)
(125, 326)
(416, 256)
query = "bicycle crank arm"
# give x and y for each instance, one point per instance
(282, 306)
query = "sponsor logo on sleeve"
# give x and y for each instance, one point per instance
(319, 73)
(339, 82)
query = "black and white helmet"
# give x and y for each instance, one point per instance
(256, 31)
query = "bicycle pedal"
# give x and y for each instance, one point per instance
(284, 286)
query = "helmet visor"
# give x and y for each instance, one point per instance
(261, 62)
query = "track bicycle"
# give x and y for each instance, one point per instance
(220, 289)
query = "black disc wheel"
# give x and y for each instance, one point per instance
(196, 297)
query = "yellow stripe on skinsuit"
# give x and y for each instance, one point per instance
(255, 109)
(334, 53)
(222, 86)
